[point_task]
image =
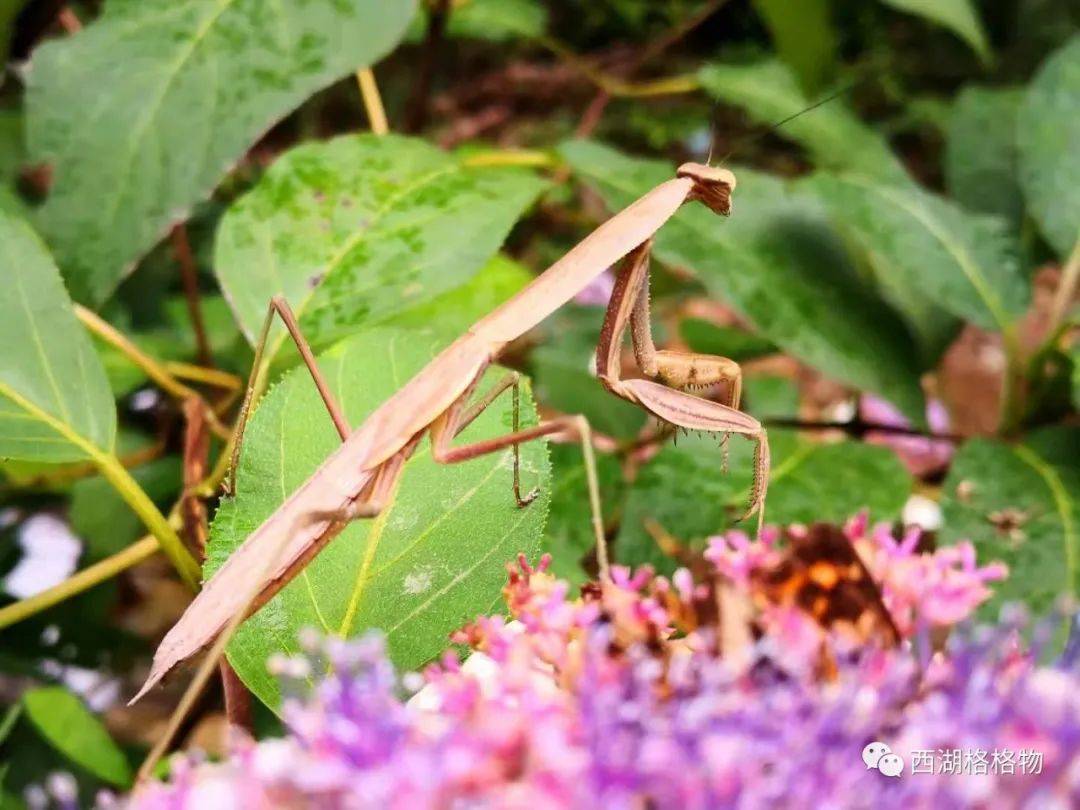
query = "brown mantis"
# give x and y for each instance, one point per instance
(358, 479)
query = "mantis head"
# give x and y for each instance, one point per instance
(712, 186)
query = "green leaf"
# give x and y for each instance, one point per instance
(561, 368)
(569, 535)
(777, 263)
(771, 397)
(959, 16)
(1048, 130)
(100, 517)
(966, 262)
(727, 341)
(1018, 503)
(682, 489)
(360, 229)
(55, 403)
(420, 570)
(453, 312)
(172, 340)
(804, 37)
(69, 727)
(497, 20)
(191, 85)
(12, 149)
(981, 159)
(832, 134)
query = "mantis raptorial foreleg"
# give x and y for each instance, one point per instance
(281, 307)
(458, 416)
(674, 370)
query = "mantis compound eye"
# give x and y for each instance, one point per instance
(712, 186)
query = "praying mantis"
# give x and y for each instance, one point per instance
(358, 479)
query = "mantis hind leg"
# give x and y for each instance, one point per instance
(278, 305)
(458, 417)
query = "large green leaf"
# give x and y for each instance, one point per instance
(959, 16)
(832, 133)
(1048, 131)
(142, 112)
(980, 152)
(362, 228)
(1018, 503)
(55, 403)
(683, 490)
(778, 264)
(68, 726)
(429, 563)
(453, 312)
(967, 263)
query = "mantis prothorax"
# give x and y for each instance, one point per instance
(358, 479)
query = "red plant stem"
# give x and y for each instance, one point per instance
(237, 699)
(190, 279)
(417, 109)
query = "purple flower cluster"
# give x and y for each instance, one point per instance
(622, 699)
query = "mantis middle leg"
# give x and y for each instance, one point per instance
(281, 307)
(458, 417)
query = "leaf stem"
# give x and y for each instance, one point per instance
(66, 473)
(1066, 291)
(1011, 383)
(510, 157)
(670, 85)
(189, 276)
(153, 369)
(209, 376)
(82, 581)
(159, 526)
(369, 91)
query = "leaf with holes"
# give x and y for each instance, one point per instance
(432, 561)
(1019, 503)
(778, 263)
(1048, 131)
(55, 403)
(832, 133)
(968, 263)
(360, 229)
(192, 84)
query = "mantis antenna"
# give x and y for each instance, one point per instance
(775, 126)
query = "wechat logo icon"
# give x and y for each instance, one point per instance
(878, 755)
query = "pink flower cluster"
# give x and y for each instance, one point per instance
(922, 590)
(626, 698)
